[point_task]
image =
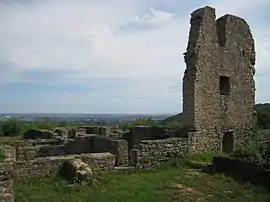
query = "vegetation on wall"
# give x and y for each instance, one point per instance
(252, 150)
(263, 115)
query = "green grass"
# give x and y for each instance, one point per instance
(173, 181)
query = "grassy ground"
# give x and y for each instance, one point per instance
(174, 181)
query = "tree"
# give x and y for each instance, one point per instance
(43, 124)
(12, 128)
(144, 121)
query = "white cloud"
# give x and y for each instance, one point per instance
(155, 17)
(240, 7)
(82, 40)
(87, 39)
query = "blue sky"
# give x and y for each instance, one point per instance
(108, 56)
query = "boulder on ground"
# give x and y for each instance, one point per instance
(39, 134)
(76, 170)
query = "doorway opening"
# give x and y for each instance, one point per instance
(227, 142)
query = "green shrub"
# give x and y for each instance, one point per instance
(252, 151)
(46, 125)
(11, 128)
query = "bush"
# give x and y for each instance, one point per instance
(252, 151)
(12, 128)
(263, 115)
(143, 121)
(46, 125)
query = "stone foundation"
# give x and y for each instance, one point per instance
(51, 165)
(79, 146)
(152, 152)
(117, 147)
(6, 182)
(139, 133)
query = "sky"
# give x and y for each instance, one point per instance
(108, 56)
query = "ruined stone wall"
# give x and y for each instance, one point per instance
(139, 133)
(25, 143)
(6, 182)
(51, 165)
(29, 143)
(79, 146)
(264, 139)
(92, 130)
(101, 130)
(9, 152)
(6, 173)
(26, 153)
(152, 152)
(218, 84)
(117, 147)
(30, 153)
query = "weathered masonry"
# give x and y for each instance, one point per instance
(218, 84)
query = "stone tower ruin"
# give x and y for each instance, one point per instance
(218, 84)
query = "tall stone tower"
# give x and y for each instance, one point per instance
(218, 84)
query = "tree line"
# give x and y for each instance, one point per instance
(16, 128)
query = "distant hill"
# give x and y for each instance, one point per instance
(173, 121)
(263, 116)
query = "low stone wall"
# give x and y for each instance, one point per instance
(17, 170)
(103, 130)
(100, 130)
(6, 182)
(79, 146)
(29, 143)
(27, 153)
(240, 169)
(152, 152)
(264, 138)
(91, 130)
(139, 133)
(51, 165)
(9, 152)
(117, 147)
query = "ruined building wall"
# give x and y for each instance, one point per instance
(51, 165)
(79, 146)
(153, 152)
(6, 182)
(117, 147)
(219, 52)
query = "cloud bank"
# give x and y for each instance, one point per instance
(101, 56)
